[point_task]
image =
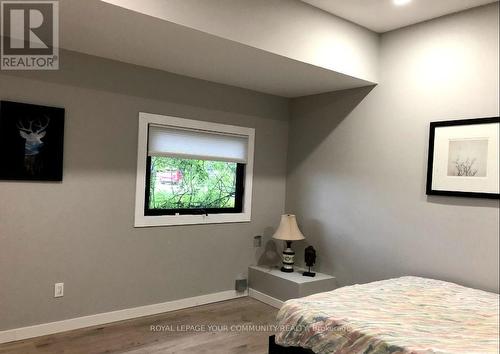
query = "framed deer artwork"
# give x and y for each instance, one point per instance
(31, 142)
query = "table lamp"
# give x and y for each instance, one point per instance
(288, 231)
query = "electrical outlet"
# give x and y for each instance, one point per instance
(257, 241)
(58, 289)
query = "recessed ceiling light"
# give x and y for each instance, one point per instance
(401, 2)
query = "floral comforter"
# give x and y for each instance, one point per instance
(403, 315)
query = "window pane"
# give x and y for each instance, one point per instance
(177, 183)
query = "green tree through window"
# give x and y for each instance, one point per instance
(178, 183)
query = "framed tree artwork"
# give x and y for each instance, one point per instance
(31, 142)
(464, 158)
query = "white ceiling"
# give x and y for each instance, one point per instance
(382, 15)
(101, 29)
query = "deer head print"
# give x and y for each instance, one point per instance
(33, 132)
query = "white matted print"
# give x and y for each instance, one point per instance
(468, 157)
(464, 158)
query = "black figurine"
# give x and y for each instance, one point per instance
(310, 259)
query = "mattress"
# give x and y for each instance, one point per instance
(403, 315)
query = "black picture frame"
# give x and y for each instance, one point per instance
(31, 142)
(430, 162)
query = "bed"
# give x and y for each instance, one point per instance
(404, 315)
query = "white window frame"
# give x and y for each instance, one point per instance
(141, 220)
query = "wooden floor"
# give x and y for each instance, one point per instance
(136, 337)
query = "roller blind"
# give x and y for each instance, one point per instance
(196, 144)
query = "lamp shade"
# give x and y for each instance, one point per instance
(288, 229)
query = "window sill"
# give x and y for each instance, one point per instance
(172, 220)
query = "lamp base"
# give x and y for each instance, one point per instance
(288, 258)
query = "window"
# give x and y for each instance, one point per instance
(192, 172)
(193, 186)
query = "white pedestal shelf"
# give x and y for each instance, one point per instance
(272, 286)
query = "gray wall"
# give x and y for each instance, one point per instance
(357, 160)
(356, 177)
(80, 231)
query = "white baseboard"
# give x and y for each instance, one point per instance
(272, 301)
(120, 315)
